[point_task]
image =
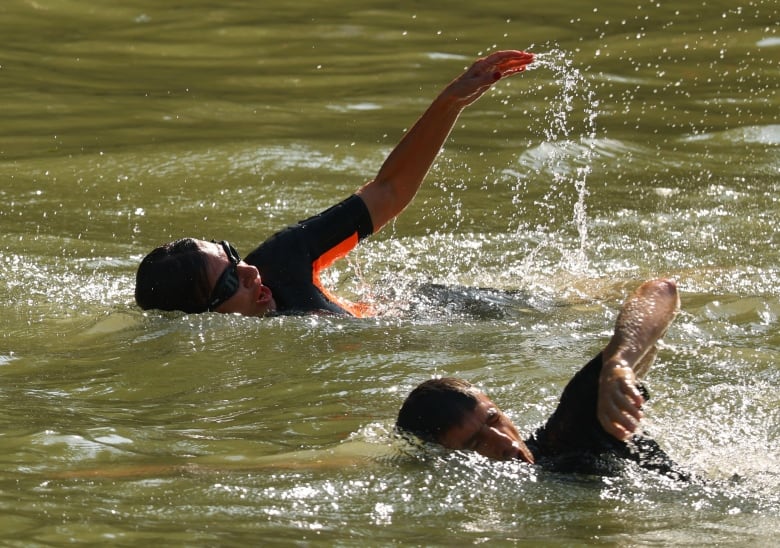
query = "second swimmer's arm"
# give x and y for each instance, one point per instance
(405, 168)
(642, 321)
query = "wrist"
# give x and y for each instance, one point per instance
(451, 101)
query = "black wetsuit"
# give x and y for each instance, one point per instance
(573, 441)
(291, 260)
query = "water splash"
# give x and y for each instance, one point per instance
(568, 148)
(537, 245)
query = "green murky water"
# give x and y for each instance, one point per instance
(644, 142)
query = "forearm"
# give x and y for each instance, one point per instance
(403, 171)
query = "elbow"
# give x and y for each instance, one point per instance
(382, 202)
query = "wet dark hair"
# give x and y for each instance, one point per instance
(173, 277)
(435, 406)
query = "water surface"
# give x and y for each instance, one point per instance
(643, 143)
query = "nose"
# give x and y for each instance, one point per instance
(499, 445)
(247, 273)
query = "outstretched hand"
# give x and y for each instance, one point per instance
(485, 72)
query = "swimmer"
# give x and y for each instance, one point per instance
(595, 426)
(597, 421)
(283, 274)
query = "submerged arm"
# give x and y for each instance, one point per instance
(405, 168)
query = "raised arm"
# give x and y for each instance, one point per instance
(643, 319)
(405, 168)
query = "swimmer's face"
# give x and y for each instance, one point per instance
(488, 431)
(251, 298)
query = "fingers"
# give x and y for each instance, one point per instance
(620, 425)
(504, 63)
(487, 71)
(619, 431)
(513, 63)
(620, 407)
(513, 56)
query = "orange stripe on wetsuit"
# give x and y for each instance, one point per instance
(360, 310)
(291, 261)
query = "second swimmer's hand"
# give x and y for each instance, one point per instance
(485, 72)
(619, 408)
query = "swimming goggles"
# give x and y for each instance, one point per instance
(228, 282)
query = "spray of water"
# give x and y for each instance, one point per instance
(568, 148)
(560, 163)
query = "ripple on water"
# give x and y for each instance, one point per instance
(763, 135)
